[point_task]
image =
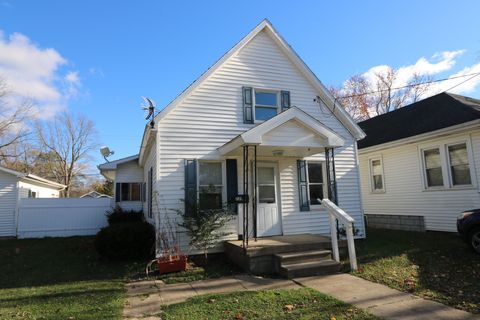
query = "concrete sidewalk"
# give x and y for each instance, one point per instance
(146, 298)
(381, 300)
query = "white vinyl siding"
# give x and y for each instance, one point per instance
(407, 193)
(8, 202)
(213, 115)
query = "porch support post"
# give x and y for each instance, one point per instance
(245, 193)
(254, 203)
(334, 237)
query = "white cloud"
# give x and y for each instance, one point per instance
(37, 73)
(434, 66)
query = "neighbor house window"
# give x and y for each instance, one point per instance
(376, 171)
(315, 182)
(210, 185)
(459, 166)
(130, 191)
(433, 167)
(32, 194)
(266, 105)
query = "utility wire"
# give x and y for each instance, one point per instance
(414, 85)
(476, 75)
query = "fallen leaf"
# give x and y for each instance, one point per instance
(239, 316)
(288, 307)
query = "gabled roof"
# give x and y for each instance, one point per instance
(323, 92)
(112, 165)
(436, 112)
(254, 136)
(33, 178)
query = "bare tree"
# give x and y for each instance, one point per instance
(14, 115)
(66, 143)
(366, 97)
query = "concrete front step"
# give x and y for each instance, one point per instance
(303, 256)
(310, 268)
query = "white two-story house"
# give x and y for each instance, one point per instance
(257, 122)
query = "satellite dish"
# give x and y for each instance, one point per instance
(105, 151)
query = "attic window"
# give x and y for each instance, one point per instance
(266, 105)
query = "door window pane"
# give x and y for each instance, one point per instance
(266, 194)
(433, 167)
(459, 165)
(266, 175)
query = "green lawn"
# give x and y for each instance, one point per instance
(59, 278)
(433, 265)
(271, 304)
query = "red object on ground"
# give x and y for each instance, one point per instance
(172, 264)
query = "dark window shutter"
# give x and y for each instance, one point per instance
(302, 185)
(190, 186)
(232, 184)
(247, 105)
(144, 192)
(285, 98)
(117, 192)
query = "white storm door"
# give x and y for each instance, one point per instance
(269, 221)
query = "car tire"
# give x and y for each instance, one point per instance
(474, 239)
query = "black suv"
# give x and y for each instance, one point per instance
(468, 225)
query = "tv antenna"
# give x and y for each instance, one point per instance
(149, 107)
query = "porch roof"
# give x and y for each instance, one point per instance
(290, 133)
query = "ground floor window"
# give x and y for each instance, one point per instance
(315, 182)
(129, 191)
(210, 185)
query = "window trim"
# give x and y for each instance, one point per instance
(370, 171)
(224, 178)
(448, 164)
(442, 167)
(130, 191)
(324, 183)
(254, 102)
(445, 160)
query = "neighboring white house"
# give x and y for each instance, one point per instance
(16, 185)
(129, 192)
(259, 98)
(419, 164)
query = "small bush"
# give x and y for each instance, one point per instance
(127, 240)
(119, 215)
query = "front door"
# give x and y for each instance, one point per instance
(269, 221)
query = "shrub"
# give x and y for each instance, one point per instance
(127, 240)
(119, 215)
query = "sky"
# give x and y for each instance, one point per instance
(98, 58)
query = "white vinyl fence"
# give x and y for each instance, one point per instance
(67, 217)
